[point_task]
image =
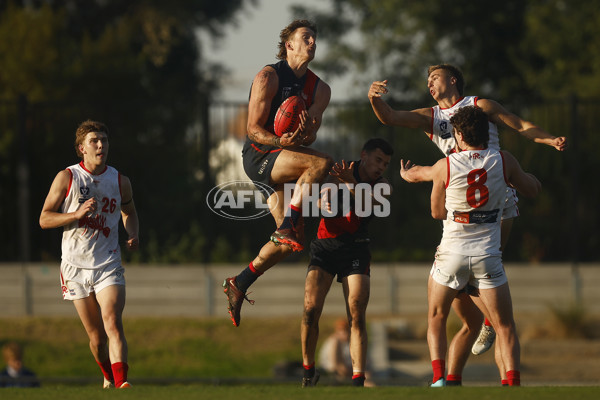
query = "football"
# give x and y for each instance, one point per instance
(287, 118)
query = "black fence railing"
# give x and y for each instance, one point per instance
(36, 140)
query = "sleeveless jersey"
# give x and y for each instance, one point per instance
(475, 197)
(441, 129)
(92, 242)
(289, 85)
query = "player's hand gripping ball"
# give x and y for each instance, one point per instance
(287, 118)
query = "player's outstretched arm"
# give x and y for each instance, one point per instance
(500, 116)
(525, 183)
(438, 191)
(415, 173)
(418, 119)
(50, 217)
(129, 214)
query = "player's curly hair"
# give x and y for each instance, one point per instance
(454, 72)
(473, 123)
(287, 32)
(83, 129)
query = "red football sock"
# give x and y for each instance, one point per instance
(454, 378)
(439, 369)
(487, 322)
(308, 366)
(309, 370)
(514, 378)
(292, 215)
(254, 270)
(504, 382)
(358, 379)
(120, 373)
(106, 369)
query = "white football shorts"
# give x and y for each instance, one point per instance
(78, 283)
(456, 270)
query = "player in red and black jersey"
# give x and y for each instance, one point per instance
(342, 248)
(277, 160)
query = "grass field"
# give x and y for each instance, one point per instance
(294, 392)
(176, 348)
(188, 358)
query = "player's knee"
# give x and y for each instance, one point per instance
(323, 164)
(310, 316)
(357, 319)
(473, 324)
(113, 326)
(98, 342)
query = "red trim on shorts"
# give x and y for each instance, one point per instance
(264, 152)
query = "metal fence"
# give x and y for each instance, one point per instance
(560, 226)
(195, 290)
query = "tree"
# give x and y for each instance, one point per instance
(560, 53)
(398, 39)
(521, 53)
(135, 65)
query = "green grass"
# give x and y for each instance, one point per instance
(162, 347)
(294, 392)
(193, 358)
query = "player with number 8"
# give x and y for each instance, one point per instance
(468, 194)
(445, 84)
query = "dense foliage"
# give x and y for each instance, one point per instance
(139, 67)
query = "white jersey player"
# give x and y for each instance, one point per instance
(88, 200)
(445, 84)
(468, 194)
(441, 135)
(92, 242)
(474, 202)
(441, 128)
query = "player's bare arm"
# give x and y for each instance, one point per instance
(345, 174)
(502, 117)
(438, 191)
(50, 217)
(412, 173)
(315, 113)
(418, 119)
(264, 89)
(525, 183)
(129, 214)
